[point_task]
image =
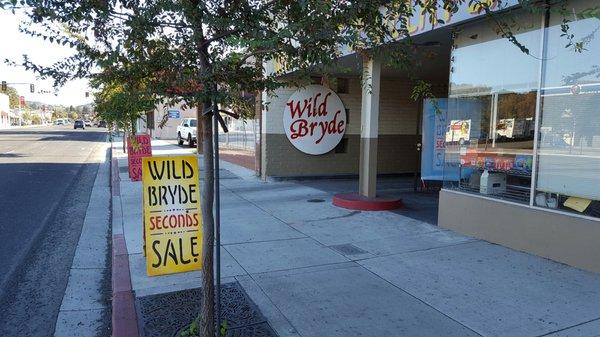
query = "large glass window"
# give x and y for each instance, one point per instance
(492, 107)
(568, 163)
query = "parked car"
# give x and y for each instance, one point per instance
(101, 124)
(88, 123)
(186, 131)
(79, 125)
(59, 122)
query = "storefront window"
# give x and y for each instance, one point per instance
(491, 109)
(568, 167)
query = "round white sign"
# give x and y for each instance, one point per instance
(314, 119)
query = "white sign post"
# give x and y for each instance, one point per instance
(314, 119)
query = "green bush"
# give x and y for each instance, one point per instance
(194, 331)
(35, 119)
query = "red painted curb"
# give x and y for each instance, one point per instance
(358, 202)
(124, 317)
(119, 245)
(121, 280)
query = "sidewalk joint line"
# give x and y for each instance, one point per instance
(266, 211)
(263, 241)
(79, 310)
(569, 327)
(89, 268)
(263, 292)
(420, 250)
(307, 267)
(420, 300)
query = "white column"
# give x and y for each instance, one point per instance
(369, 127)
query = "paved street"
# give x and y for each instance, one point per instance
(47, 174)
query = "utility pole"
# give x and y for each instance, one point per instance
(217, 216)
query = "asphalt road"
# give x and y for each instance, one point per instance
(46, 177)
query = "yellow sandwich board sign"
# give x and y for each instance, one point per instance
(172, 217)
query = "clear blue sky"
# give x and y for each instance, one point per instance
(14, 44)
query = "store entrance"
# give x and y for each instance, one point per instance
(422, 173)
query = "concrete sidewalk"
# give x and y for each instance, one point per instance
(84, 310)
(318, 270)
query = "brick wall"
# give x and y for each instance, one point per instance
(397, 134)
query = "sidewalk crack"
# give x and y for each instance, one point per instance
(353, 213)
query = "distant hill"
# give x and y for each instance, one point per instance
(80, 109)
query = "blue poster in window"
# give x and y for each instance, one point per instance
(174, 114)
(434, 127)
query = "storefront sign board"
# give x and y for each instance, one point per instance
(435, 114)
(314, 119)
(172, 216)
(142, 147)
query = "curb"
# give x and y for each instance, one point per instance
(124, 317)
(114, 176)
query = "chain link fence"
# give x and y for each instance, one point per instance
(242, 135)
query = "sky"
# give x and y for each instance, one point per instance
(13, 44)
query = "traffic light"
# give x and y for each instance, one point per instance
(32, 88)
(4, 86)
(87, 94)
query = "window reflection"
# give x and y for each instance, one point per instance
(492, 109)
(569, 135)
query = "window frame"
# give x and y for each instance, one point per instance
(541, 71)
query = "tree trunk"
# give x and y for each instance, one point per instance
(133, 126)
(193, 13)
(125, 141)
(199, 138)
(207, 311)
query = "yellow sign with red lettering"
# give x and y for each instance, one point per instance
(172, 216)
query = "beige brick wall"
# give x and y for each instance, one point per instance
(396, 154)
(397, 111)
(397, 134)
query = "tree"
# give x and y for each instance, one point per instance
(113, 108)
(13, 97)
(121, 103)
(59, 112)
(205, 54)
(27, 117)
(36, 119)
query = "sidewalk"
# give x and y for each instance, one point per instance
(85, 307)
(317, 270)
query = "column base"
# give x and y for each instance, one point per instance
(358, 202)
